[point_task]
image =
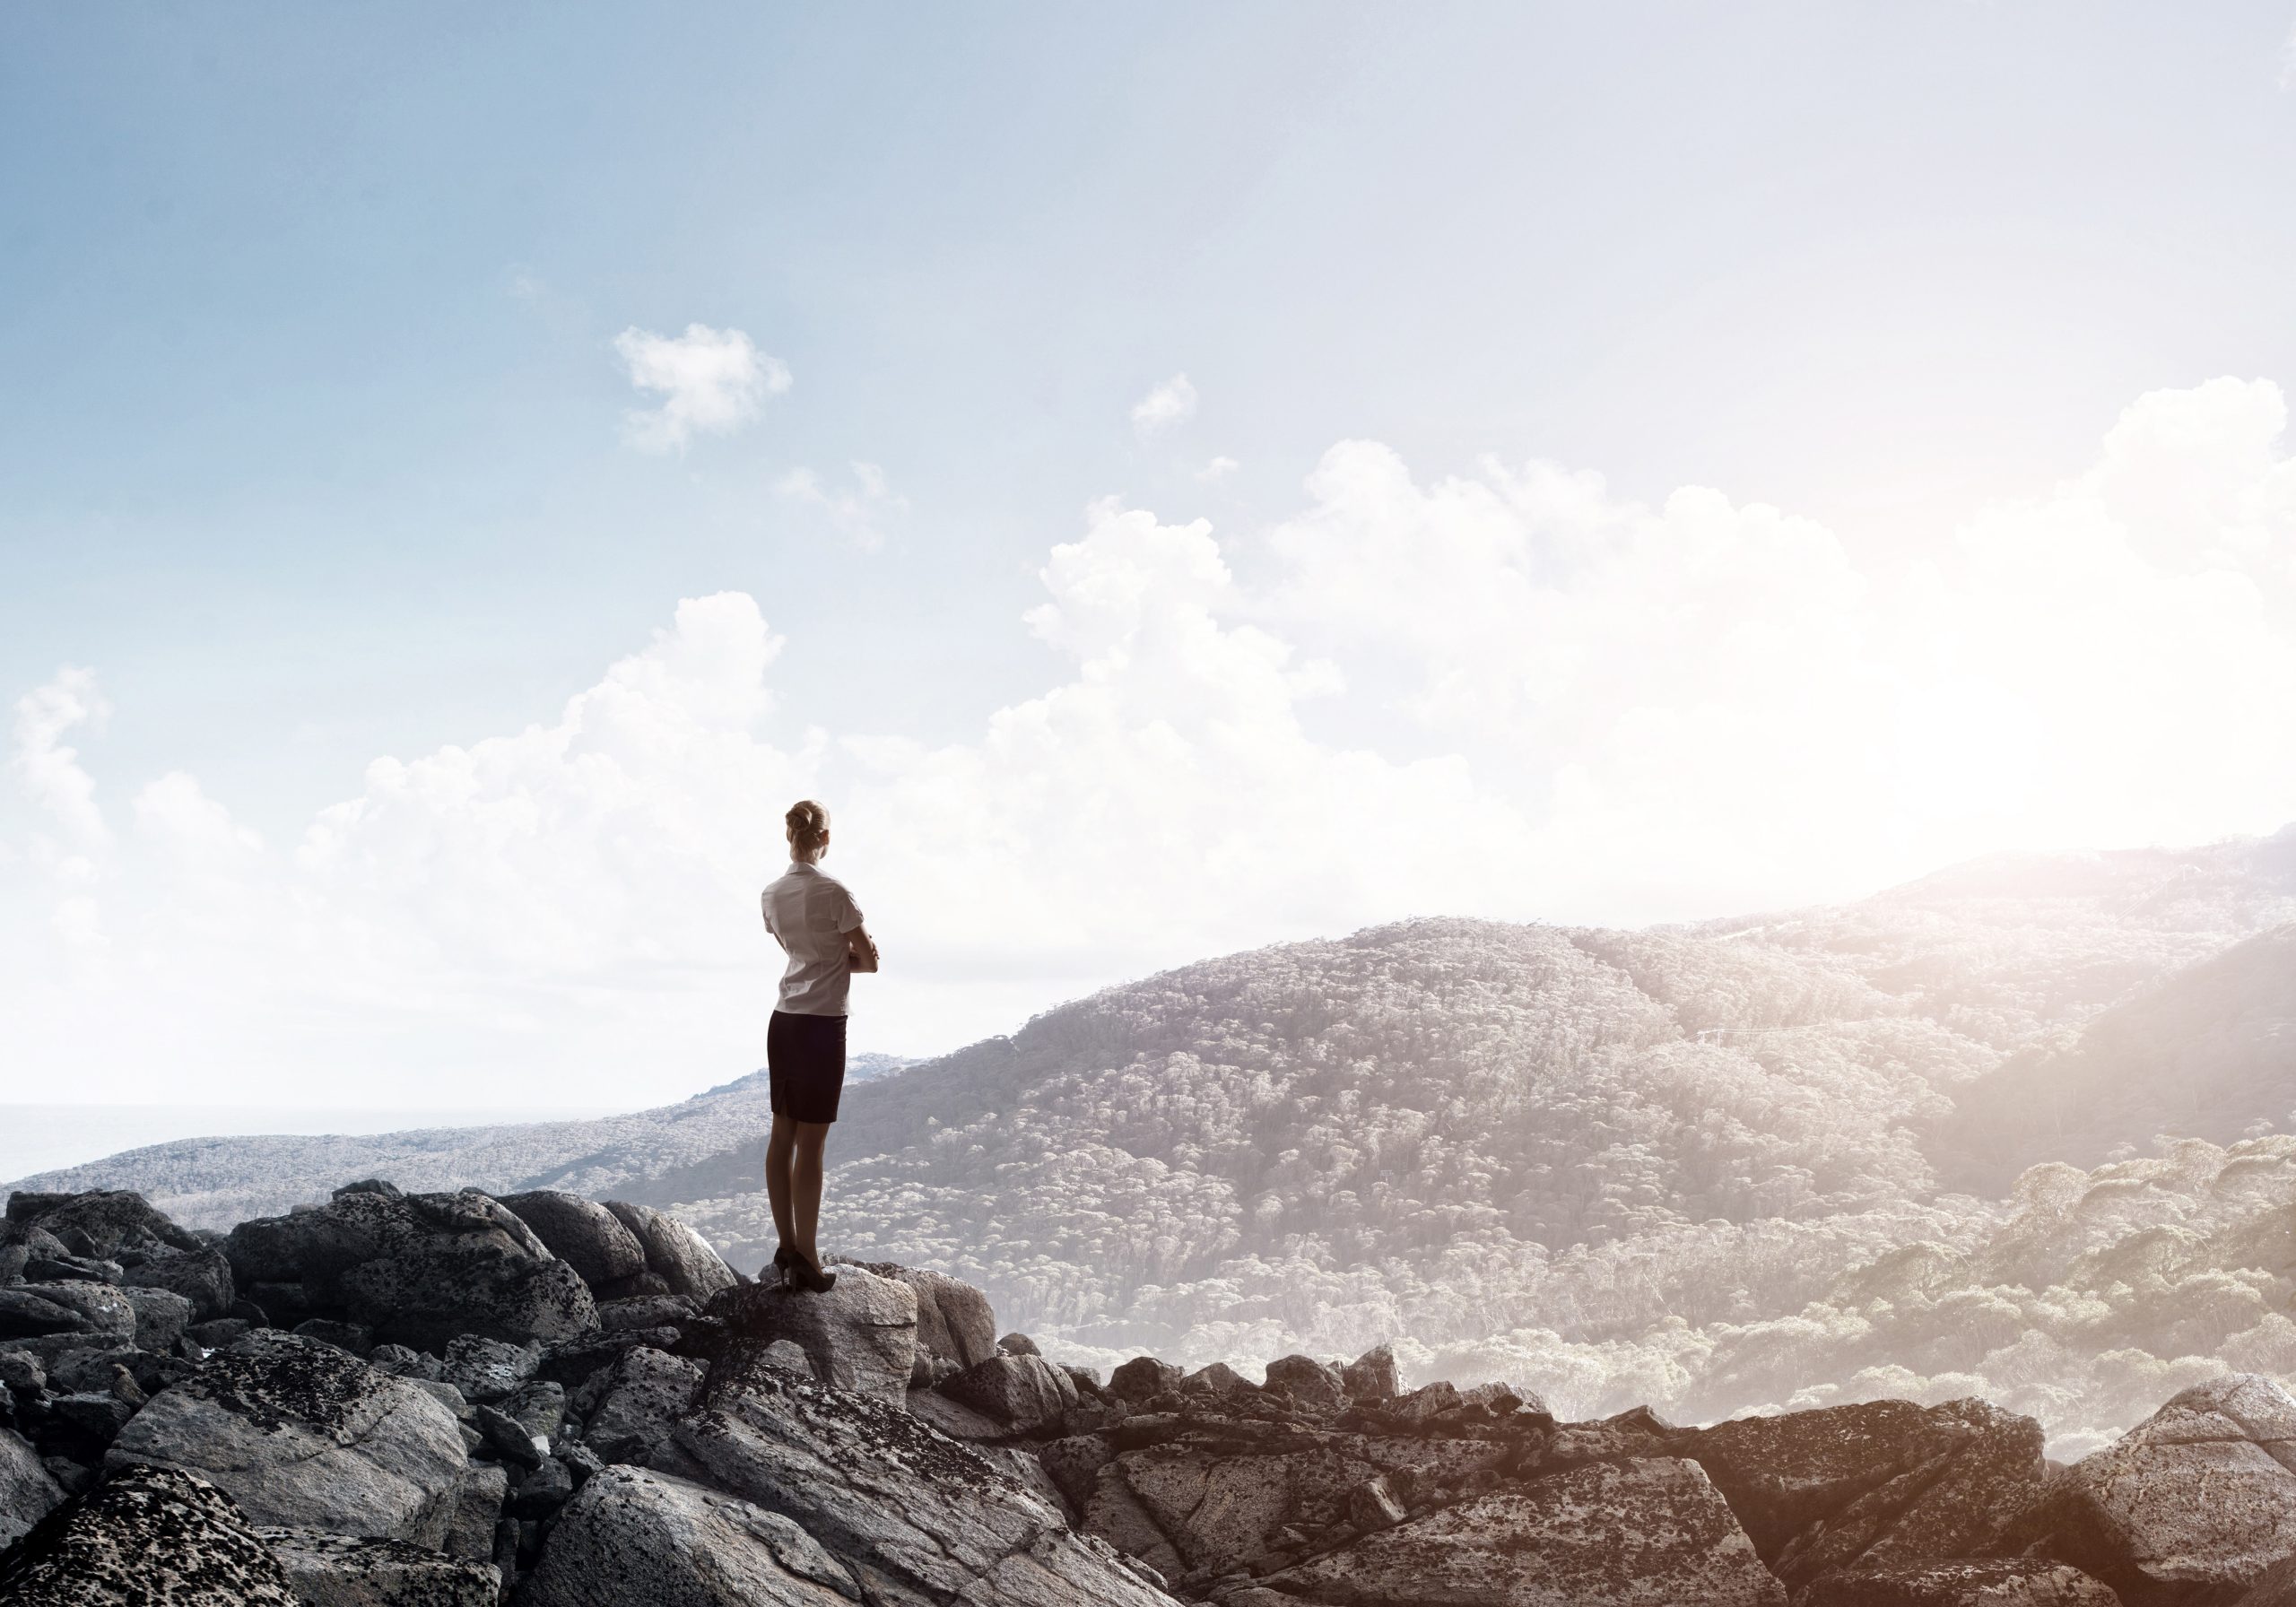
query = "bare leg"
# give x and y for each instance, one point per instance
(777, 1152)
(806, 1186)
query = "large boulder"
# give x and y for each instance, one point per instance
(146, 1536)
(111, 1224)
(582, 1233)
(306, 1436)
(161, 1316)
(202, 1276)
(1224, 1513)
(1023, 1394)
(343, 1570)
(27, 1493)
(418, 1269)
(2001, 1582)
(95, 1312)
(646, 1393)
(861, 1336)
(955, 1324)
(675, 1253)
(2192, 1507)
(1649, 1533)
(631, 1535)
(1873, 1484)
(915, 1518)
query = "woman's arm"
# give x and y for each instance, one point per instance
(860, 950)
(766, 912)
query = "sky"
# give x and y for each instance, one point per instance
(1171, 479)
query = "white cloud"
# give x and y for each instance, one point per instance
(47, 770)
(1613, 711)
(858, 514)
(711, 382)
(1218, 469)
(2288, 61)
(1171, 403)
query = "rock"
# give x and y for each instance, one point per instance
(580, 1461)
(1025, 1393)
(161, 1316)
(223, 1331)
(98, 1416)
(407, 1363)
(202, 1276)
(954, 1321)
(2008, 1582)
(36, 1310)
(508, 1437)
(487, 1369)
(1225, 1513)
(147, 1535)
(1217, 1381)
(100, 1223)
(582, 1233)
(1018, 1344)
(1074, 1465)
(680, 1257)
(631, 1535)
(1143, 1378)
(1870, 1485)
(647, 1393)
(479, 1496)
(27, 1493)
(432, 1292)
(446, 1394)
(1307, 1382)
(861, 1336)
(1649, 1531)
(2192, 1506)
(646, 1311)
(70, 1477)
(542, 1489)
(354, 1337)
(303, 1435)
(418, 1269)
(1372, 1504)
(21, 1373)
(340, 1570)
(945, 1416)
(59, 1269)
(576, 1362)
(538, 1406)
(1372, 1376)
(917, 1518)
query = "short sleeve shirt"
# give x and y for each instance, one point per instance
(811, 912)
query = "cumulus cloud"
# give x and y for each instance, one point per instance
(711, 382)
(857, 513)
(48, 771)
(1218, 469)
(1171, 403)
(1586, 707)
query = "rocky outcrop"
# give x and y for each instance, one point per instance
(633, 1535)
(2189, 1508)
(148, 1534)
(301, 1434)
(431, 1432)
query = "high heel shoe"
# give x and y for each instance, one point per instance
(810, 1276)
(784, 1258)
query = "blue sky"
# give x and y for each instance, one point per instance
(317, 450)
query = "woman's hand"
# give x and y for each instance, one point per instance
(860, 951)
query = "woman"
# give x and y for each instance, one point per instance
(817, 923)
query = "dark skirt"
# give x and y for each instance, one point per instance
(805, 1061)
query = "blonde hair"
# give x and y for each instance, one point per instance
(808, 824)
